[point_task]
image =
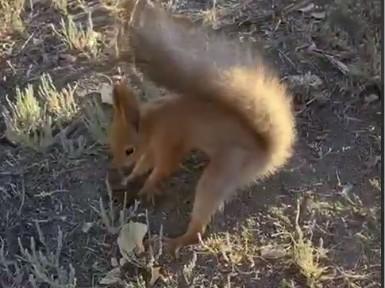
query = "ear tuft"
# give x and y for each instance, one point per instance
(118, 93)
(125, 103)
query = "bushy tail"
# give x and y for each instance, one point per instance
(187, 60)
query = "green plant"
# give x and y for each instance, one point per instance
(26, 120)
(61, 104)
(96, 121)
(77, 37)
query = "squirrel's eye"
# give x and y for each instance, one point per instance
(129, 151)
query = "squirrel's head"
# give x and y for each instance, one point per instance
(124, 132)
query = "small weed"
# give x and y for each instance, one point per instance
(113, 220)
(213, 16)
(45, 266)
(31, 119)
(79, 38)
(96, 121)
(236, 248)
(26, 120)
(210, 16)
(188, 270)
(73, 148)
(61, 104)
(307, 257)
(10, 268)
(27, 108)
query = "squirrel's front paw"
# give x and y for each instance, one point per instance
(149, 194)
(127, 179)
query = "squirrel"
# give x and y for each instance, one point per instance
(223, 101)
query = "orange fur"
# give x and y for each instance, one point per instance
(236, 112)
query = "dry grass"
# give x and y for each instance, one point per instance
(10, 16)
(350, 33)
(31, 119)
(326, 239)
(45, 267)
(292, 244)
(27, 121)
(235, 249)
(61, 104)
(307, 257)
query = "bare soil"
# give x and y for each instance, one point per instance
(337, 157)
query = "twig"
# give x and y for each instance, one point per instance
(22, 195)
(26, 42)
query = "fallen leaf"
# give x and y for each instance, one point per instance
(37, 41)
(87, 226)
(318, 15)
(106, 93)
(112, 277)
(131, 237)
(155, 275)
(272, 252)
(67, 58)
(307, 8)
(371, 98)
(122, 261)
(114, 262)
(307, 79)
(346, 189)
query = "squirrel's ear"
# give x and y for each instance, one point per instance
(125, 104)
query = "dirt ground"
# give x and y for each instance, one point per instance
(328, 52)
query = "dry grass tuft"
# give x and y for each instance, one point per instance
(27, 121)
(306, 256)
(31, 119)
(44, 267)
(235, 249)
(61, 104)
(80, 38)
(97, 121)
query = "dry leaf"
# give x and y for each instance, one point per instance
(307, 8)
(371, 98)
(346, 189)
(87, 226)
(112, 277)
(114, 262)
(155, 275)
(308, 79)
(37, 41)
(67, 58)
(122, 261)
(131, 237)
(272, 252)
(318, 15)
(106, 93)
